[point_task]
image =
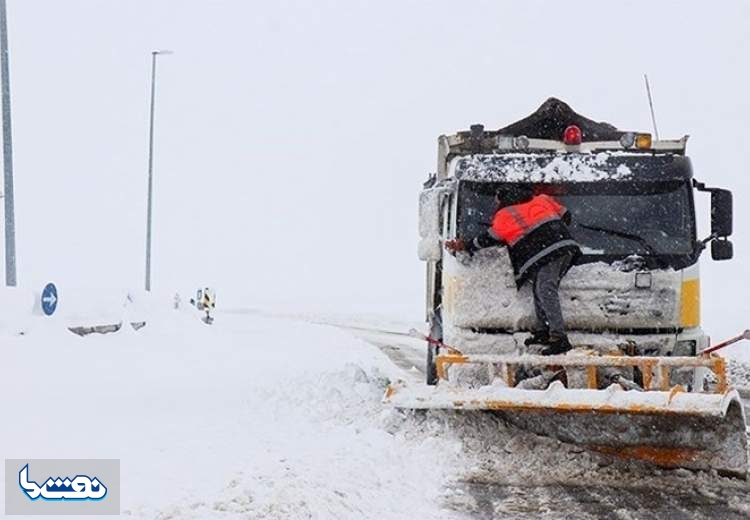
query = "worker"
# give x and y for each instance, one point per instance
(207, 300)
(208, 303)
(541, 249)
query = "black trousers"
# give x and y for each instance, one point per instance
(546, 284)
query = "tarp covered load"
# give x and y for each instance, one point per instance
(552, 118)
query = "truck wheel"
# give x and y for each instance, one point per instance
(432, 377)
(436, 331)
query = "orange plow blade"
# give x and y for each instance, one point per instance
(667, 427)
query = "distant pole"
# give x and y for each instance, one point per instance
(10, 221)
(154, 54)
(651, 106)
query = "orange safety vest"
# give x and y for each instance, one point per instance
(534, 233)
(512, 223)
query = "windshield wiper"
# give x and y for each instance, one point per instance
(622, 234)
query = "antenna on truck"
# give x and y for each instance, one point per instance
(651, 105)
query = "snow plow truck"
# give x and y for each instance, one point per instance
(638, 383)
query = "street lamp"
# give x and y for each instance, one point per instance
(10, 226)
(154, 54)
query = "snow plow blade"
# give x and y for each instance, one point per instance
(670, 428)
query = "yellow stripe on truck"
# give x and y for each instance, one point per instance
(690, 303)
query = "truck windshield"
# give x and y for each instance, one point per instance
(609, 219)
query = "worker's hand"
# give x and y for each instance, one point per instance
(458, 245)
(454, 245)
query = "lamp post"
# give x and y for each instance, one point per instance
(10, 222)
(154, 54)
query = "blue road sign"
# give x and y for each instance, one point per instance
(49, 299)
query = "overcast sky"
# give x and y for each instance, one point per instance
(292, 137)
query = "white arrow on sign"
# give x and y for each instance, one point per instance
(49, 299)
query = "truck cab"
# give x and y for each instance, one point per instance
(634, 290)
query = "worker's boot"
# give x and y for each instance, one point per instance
(538, 337)
(556, 344)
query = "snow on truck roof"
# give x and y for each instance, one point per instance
(573, 167)
(557, 144)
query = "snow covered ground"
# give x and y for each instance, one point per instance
(263, 416)
(253, 416)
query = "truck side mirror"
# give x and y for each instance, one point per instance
(430, 224)
(721, 216)
(722, 249)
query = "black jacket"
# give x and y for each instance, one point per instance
(533, 250)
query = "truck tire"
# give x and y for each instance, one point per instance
(431, 371)
(436, 331)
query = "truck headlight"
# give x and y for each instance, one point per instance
(627, 140)
(643, 280)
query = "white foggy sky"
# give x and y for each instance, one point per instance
(292, 137)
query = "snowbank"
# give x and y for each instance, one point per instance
(17, 307)
(251, 416)
(22, 313)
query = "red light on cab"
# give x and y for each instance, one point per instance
(572, 135)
